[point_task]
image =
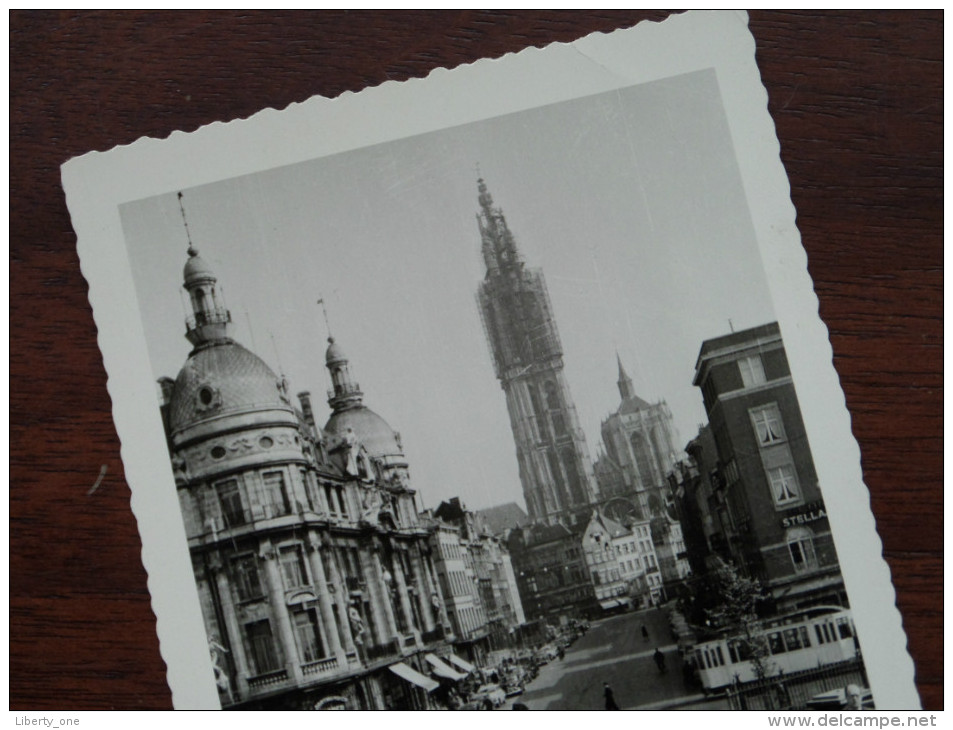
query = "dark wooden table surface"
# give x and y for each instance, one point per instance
(857, 99)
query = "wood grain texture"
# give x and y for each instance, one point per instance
(857, 100)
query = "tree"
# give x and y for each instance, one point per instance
(735, 612)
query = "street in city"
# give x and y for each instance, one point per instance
(614, 651)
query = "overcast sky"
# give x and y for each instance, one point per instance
(630, 202)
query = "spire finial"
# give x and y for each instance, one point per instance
(625, 382)
(486, 200)
(327, 324)
(188, 235)
(622, 373)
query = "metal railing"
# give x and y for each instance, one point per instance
(793, 691)
(218, 316)
(344, 389)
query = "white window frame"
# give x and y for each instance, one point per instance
(781, 488)
(769, 419)
(752, 371)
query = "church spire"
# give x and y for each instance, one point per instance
(626, 390)
(498, 245)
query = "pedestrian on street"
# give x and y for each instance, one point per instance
(645, 633)
(659, 659)
(610, 699)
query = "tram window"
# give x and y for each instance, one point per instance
(820, 636)
(791, 639)
(828, 631)
(805, 638)
(843, 625)
(733, 652)
(776, 643)
(721, 657)
(744, 650)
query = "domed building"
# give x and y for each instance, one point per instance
(313, 570)
(351, 418)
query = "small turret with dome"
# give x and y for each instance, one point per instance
(210, 318)
(346, 399)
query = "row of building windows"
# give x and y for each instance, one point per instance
(631, 566)
(454, 583)
(275, 499)
(450, 550)
(295, 570)
(469, 619)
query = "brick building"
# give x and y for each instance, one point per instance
(769, 509)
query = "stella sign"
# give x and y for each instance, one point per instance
(811, 513)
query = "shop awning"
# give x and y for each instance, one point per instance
(461, 664)
(443, 670)
(606, 605)
(413, 676)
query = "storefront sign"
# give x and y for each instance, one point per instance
(813, 512)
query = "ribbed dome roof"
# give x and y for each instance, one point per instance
(221, 378)
(196, 268)
(371, 430)
(334, 353)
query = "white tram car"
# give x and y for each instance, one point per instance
(803, 640)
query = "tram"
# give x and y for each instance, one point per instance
(806, 639)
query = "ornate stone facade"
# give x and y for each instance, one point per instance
(313, 569)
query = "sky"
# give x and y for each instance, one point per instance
(630, 201)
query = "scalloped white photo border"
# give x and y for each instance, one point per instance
(96, 185)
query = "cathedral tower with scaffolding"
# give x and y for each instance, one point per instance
(554, 465)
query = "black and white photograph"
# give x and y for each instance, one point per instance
(503, 414)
